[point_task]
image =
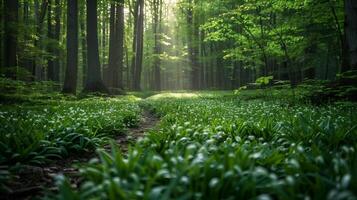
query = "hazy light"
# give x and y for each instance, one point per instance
(174, 95)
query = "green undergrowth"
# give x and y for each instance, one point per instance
(36, 134)
(223, 146)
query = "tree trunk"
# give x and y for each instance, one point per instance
(192, 35)
(139, 46)
(351, 31)
(56, 61)
(157, 14)
(70, 81)
(94, 82)
(116, 45)
(135, 22)
(2, 38)
(37, 71)
(113, 76)
(83, 42)
(10, 54)
(120, 26)
(50, 35)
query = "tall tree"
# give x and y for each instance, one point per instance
(192, 37)
(120, 26)
(351, 31)
(116, 44)
(139, 45)
(157, 17)
(70, 81)
(83, 35)
(112, 46)
(94, 82)
(134, 11)
(11, 31)
(40, 13)
(50, 35)
(57, 34)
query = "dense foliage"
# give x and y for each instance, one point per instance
(38, 132)
(208, 146)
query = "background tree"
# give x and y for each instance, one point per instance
(139, 42)
(70, 81)
(11, 34)
(94, 82)
(351, 32)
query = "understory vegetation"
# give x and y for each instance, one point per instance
(212, 148)
(272, 143)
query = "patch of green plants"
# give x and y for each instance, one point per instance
(229, 148)
(38, 134)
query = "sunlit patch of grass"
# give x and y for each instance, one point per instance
(174, 96)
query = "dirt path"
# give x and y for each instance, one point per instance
(34, 180)
(148, 122)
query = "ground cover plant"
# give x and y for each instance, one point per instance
(220, 146)
(38, 134)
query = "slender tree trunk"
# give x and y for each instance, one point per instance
(351, 31)
(83, 42)
(11, 20)
(2, 38)
(37, 71)
(120, 26)
(139, 46)
(56, 61)
(25, 62)
(344, 63)
(135, 22)
(192, 36)
(128, 75)
(94, 82)
(104, 42)
(113, 76)
(50, 35)
(70, 81)
(157, 15)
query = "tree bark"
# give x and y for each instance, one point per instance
(157, 14)
(192, 35)
(351, 32)
(83, 42)
(135, 30)
(50, 35)
(113, 77)
(94, 82)
(37, 71)
(120, 26)
(139, 46)
(57, 32)
(11, 31)
(70, 81)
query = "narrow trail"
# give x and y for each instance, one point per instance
(33, 180)
(148, 121)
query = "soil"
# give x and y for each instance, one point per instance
(32, 181)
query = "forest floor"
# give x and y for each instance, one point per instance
(148, 122)
(271, 143)
(33, 181)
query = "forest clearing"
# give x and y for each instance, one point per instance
(178, 99)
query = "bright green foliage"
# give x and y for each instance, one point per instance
(228, 148)
(39, 134)
(264, 80)
(36, 133)
(296, 33)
